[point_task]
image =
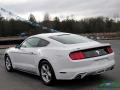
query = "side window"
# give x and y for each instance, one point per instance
(25, 44)
(31, 42)
(34, 42)
(42, 43)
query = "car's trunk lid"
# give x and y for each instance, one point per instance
(91, 49)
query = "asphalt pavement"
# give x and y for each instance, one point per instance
(22, 81)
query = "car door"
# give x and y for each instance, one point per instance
(25, 55)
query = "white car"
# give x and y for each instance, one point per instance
(60, 56)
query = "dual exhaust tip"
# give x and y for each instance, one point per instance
(82, 75)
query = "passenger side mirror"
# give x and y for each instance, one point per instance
(17, 46)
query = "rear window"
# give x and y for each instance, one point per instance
(70, 39)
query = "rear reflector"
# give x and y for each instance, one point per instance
(109, 49)
(77, 55)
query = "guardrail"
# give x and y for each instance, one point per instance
(11, 41)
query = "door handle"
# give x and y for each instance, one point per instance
(31, 53)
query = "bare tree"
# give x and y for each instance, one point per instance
(46, 17)
(32, 18)
(116, 16)
(46, 21)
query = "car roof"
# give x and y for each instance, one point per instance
(46, 35)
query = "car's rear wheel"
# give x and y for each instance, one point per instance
(47, 73)
(8, 64)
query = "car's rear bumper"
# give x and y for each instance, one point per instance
(79, 72)
(100, 71)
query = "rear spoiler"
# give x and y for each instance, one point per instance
(93, 47)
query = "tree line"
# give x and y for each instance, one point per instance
(14, 27)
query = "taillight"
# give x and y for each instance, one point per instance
(109, 49)
(77, 55)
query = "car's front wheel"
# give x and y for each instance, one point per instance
(8, 64)
(47, 73)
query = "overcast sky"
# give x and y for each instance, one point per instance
(75, 8)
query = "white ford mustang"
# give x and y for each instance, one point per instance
(58, 56)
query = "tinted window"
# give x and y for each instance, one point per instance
(34, 42)
(25, 44)
(42, 43)
(70, 39)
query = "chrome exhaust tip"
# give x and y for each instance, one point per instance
(81, 75)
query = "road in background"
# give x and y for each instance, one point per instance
(23, 81)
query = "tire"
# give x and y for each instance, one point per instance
(47, 73)
(8, 64)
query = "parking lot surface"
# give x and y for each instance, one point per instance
(22, 81)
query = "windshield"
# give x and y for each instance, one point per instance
(70, 39)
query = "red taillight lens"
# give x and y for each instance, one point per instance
(109, 49)
(77, 55)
